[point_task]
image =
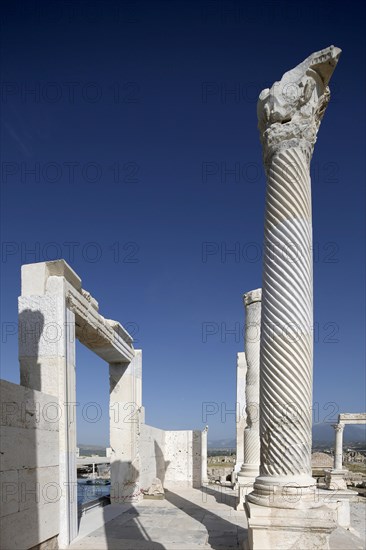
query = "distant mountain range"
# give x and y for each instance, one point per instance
(323, 435)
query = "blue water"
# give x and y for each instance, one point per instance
(90, 492)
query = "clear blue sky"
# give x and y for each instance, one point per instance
(131, 125)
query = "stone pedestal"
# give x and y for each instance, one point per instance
(283, 509)
(300, 529)
(341, 498)
(335, 480)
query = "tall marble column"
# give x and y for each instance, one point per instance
(289, 117)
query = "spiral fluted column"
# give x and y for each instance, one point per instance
(287, 343)
(289, 116)
(250, 468)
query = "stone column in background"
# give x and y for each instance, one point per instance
(284, 495)
(335, 478)
(241, 371)
(338, 449)
(250, 468)
(204, 478)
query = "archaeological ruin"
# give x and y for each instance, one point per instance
(274, 501)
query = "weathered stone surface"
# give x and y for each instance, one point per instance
(241, 372)
(250, 467)
(27, 528)
(156, 487)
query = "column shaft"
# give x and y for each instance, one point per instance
(338, 450)
(250, 468)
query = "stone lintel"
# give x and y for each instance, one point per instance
(105, 337)
(352, 418)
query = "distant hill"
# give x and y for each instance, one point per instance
(222, 444)
(91, 449)
(323, 435)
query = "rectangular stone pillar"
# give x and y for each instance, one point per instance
(47, 364)
(125, 411)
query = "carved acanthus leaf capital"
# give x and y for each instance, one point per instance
(290, 112)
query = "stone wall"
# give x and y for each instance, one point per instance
(183, 458)
(152, 462)
(29, 467)
(172, 456)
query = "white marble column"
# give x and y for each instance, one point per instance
(204, 433)
(241, 371)
(335, 479)
(338, 448)
(250, 467)
(289, 117)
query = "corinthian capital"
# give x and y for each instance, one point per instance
(338, 427)
(290, 112)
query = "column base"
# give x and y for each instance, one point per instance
(295, 529)
(335, 479)
(248, 470)
(244, 486)
(297, 491)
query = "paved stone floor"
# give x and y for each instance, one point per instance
(188, 519)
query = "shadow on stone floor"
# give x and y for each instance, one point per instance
(222, 494)
(126, 531)
(222, 534)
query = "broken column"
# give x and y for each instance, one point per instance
(250, 468)
(283, 510)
